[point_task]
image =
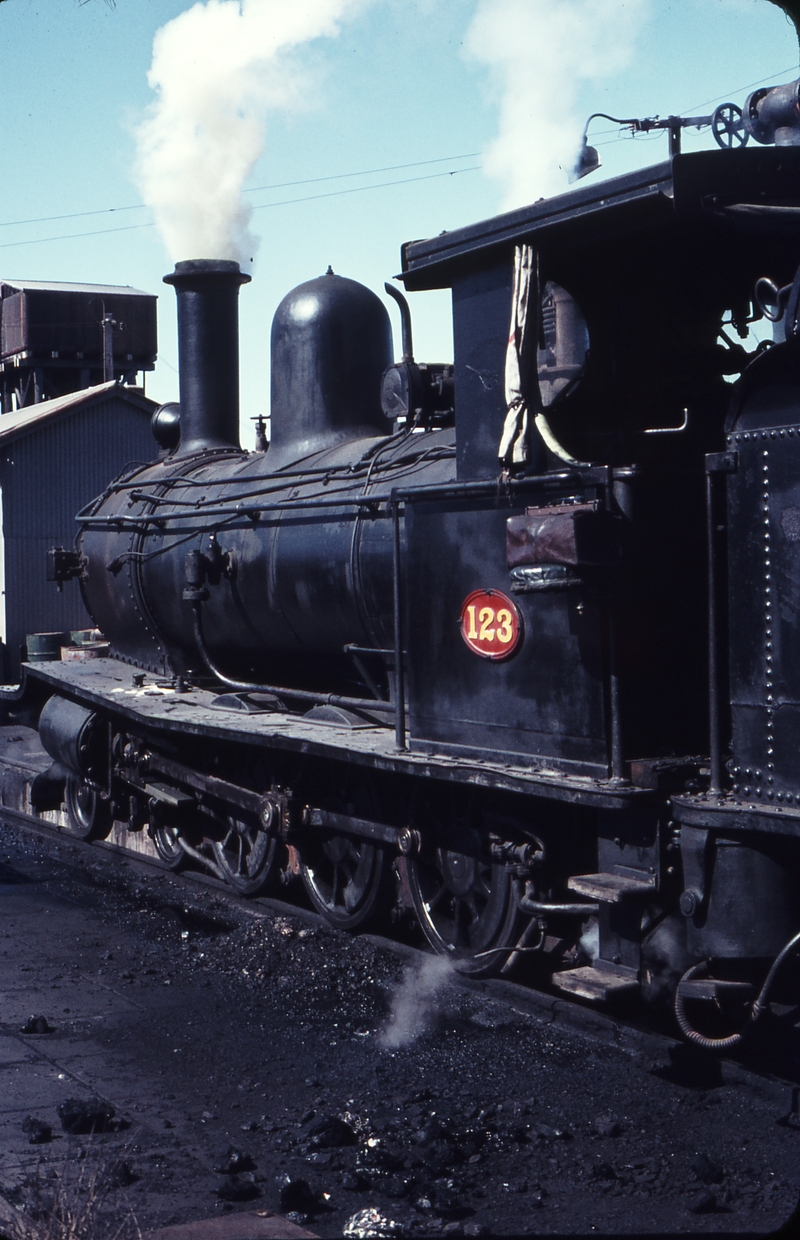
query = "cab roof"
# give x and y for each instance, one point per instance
(755, 188)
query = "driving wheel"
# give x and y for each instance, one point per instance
(466, 907)
(245, 856)
(344, 878)
(167, 845)
(89, 814)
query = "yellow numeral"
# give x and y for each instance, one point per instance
(486, 617)
(505, 630)
(472, 632)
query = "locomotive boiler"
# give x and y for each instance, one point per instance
(511, 643)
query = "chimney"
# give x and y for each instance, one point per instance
(208, 352)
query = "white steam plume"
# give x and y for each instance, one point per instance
(417, 1001)
(539, 53)
(217, 69)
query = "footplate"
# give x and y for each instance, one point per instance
(611, 888)
(598, 982)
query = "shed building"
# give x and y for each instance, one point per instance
(54, 458)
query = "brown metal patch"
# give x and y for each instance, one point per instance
(571, 534)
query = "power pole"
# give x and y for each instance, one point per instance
(108, 323)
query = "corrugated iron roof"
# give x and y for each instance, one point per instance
(15, 425)
(50, 286)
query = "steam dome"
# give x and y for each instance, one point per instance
(331, 343)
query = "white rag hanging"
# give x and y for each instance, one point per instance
(520, 360)
(522, 334)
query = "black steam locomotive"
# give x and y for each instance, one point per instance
(513, 644)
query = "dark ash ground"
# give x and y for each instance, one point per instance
(210, 1026)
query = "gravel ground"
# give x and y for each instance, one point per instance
(256, 1058)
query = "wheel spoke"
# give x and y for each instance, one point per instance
(481, 887)
(349, 869)
(458, 921)
(431, 904)
(352, 897)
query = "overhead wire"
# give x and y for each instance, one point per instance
(283, 202)
(734, 90)
(254, 189)
(358, 189)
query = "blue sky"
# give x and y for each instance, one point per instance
(403, 82)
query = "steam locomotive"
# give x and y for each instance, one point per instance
(512, 643)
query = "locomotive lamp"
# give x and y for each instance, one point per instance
(588, 159)
(728, 126)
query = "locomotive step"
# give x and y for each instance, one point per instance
(610, 888)
(597, 982)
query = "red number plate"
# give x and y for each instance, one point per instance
(490, 624)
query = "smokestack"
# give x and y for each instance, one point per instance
(208, 352)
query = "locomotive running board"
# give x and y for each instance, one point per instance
(107, 684)
(598, 982)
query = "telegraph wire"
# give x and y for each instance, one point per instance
(336, 176)
(736, 89)
(340, 176)
(359, 189)
(283, 202)
(96, 232)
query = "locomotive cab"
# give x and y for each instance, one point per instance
(630, 644)
(645, 310)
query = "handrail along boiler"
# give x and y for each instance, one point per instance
(511, 643)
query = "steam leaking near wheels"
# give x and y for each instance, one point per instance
(417, 1001)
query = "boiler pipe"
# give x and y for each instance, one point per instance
(301, 695)
(399, 667)
(713, 673)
